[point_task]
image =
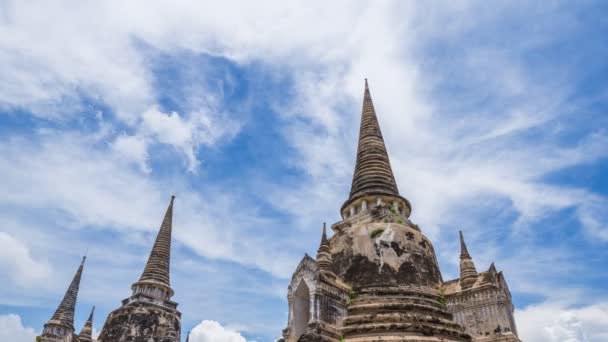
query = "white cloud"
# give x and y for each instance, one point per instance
(66, 172)
(186, 134)
(444, 161)
(328, 60)
(553, 322)
(17, 263)
(85, 185)
(468, 156)
(133, 148)
(212, 331)
(11, 329)
(449, 159)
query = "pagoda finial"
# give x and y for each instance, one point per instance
(324, 259)
(63, 318)
(468, 272)
(158, 265)
(86, 334)
(324, 240)
(373, 174)
(464, 253)
(91, 314)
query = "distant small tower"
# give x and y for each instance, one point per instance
(86, 334)
(149, 314)
(468, 272)
(61, 326)
(324, 260)
(481, 301)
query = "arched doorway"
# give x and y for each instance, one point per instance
(301, 309)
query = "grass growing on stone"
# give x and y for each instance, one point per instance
(442, 297)
(376, 232)
(351, 296)
(397, 216)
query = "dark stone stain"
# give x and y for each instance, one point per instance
(397, 248)
(359, 271)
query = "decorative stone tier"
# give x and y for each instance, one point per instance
(67, 338)
(140, 321)
(400, 313)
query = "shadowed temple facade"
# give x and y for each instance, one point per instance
(377, 278)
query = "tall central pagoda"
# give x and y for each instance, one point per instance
(377, 278)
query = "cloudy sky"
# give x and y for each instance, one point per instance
(495, 115)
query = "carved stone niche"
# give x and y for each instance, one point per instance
(317, 305)
(300, 296)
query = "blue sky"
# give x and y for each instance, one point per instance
(495, 116)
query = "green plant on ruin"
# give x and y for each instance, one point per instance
(442, 300)
(396, 215)
(351, 296)
(376, 232)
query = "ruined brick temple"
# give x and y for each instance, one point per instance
(60, 328)
(148, 315)
(377, 278)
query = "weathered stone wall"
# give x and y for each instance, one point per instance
(330, 304)
(482, 313)
(485, 309)
(378, 253)
(395, 279)
(320, 318)
(68, 338)
(142, 322)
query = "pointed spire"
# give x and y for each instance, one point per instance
(64, 315)
(157, 267)
(324, 240)
(373, 171)
(373, 174)
(468, 272)
(324, 259)
(91, 315)
(464, 253)
(86, 334)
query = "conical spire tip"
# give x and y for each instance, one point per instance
(158, 264)
(464, 252)
(373, 175)
(324, 235)
(92, 313)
